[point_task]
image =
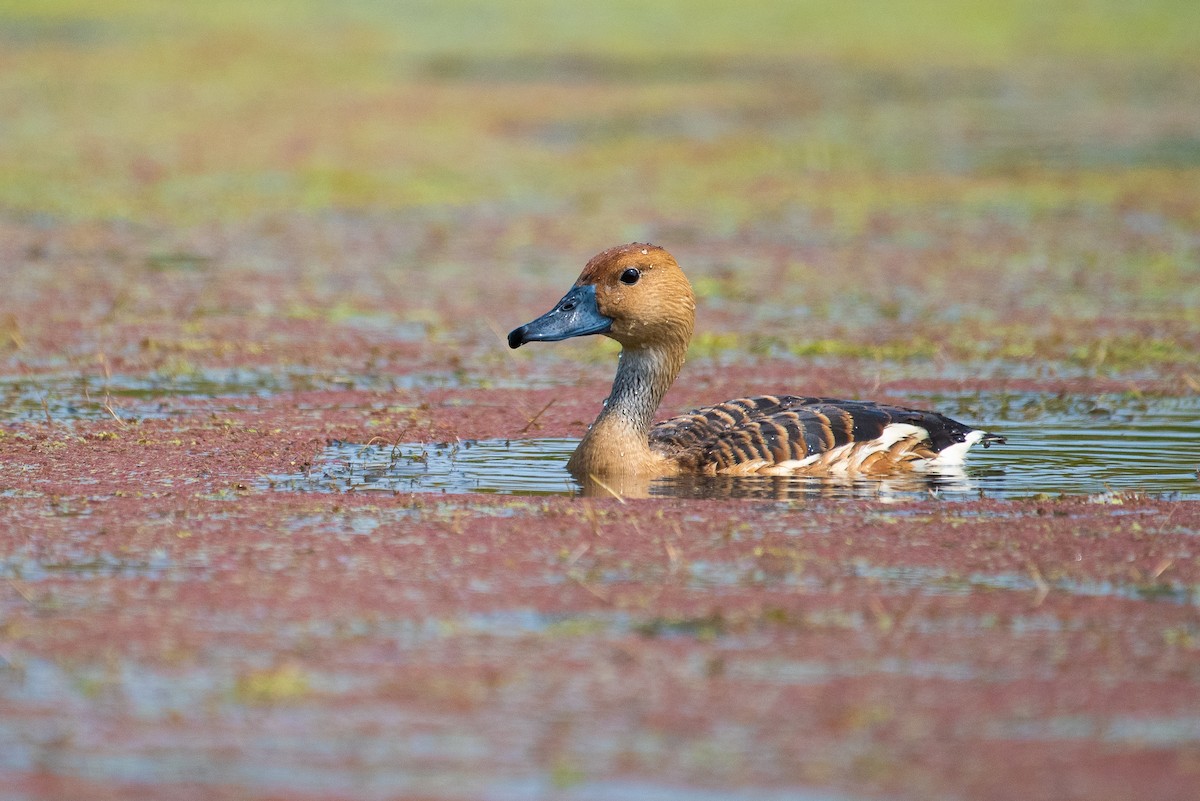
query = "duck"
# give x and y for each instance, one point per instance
(637, 295)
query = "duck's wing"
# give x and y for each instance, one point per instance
(791, 434)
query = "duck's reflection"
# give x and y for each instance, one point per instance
(901, 486)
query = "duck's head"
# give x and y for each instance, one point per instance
(635, 294)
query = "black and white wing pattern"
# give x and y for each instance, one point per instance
(807, 435)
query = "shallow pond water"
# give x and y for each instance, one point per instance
(1074, 445)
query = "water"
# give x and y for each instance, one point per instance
(1083, 444)
(1057, 445)
(511, 467)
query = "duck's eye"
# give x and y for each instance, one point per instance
(631, 276)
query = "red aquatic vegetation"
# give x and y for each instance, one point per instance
(170, 626)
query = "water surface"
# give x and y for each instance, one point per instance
(1057, 445)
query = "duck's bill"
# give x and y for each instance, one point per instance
(576, 315)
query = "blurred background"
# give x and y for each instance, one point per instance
(979, 181)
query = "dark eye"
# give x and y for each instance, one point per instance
(630, 276)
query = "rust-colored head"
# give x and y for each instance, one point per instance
(634, 293)
(642, 290)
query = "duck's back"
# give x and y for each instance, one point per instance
(805, 435)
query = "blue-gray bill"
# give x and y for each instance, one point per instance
(576, 315)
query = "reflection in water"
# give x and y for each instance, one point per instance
(538, 467)
(783, 488)
(788, 488)
(1056, 445)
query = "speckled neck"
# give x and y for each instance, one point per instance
(643, 376)
(619, 440)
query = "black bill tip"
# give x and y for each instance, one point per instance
(516, 337)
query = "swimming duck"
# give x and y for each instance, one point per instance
(638, 295)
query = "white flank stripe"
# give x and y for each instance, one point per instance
(957, 453)
(895, 432)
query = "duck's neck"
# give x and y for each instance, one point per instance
(619, 441)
